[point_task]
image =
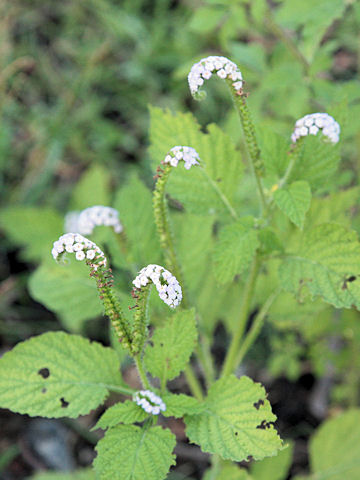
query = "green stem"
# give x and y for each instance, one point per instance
(167, 243)
(120, 389)
(294, 155)
(251, 141)
(141, 372)
(286, 39)
(204, 354)
(222, 197)
(254, 331)
(230, 358)
(193, 382)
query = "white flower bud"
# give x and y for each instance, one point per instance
(83, 248)
(85, 221)
(188, 154)
(166, 284)
(313, 124)
(148, 401)
(222, 66)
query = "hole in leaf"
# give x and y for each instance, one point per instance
(44, 372)
(264, 425)
(236, 434)
(161, 344)
(64, 403)
(43, 390)
(258, 404)
(249, 458)
(350, 279)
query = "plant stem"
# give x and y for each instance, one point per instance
(141, 372)
(294, 155)
(120, 389)
(204, 354)
(220, 194)
(254, 331)
(193, 382)
(252, 146)
(230, 359)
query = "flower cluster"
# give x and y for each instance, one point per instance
(166, 284)
(85, 221)
(148, 401)
(188, 154)
(315, 122)
(83, 248)
(204, 69)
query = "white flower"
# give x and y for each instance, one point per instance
(83, 248)
(188, 154)
(222, 66)
(85, 221)
(148, 401)
(166, 284)
(314, 123)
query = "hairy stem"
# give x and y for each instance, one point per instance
(104, 283)
(294, 154)
(252, 146)
(141, 372)
(230, 359)
(255, 329)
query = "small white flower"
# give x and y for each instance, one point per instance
(166, 284)
(188, 154)
(222, 66)
(314, 123)
(148, 401)
(85, 221)
(83, 248)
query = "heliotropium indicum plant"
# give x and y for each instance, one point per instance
(225, 253)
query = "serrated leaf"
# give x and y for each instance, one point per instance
(274, 148)
(237, 421)
(294, 200)
(81, 474)
(173, 345)
(68, 291)
(34, 229)
(234, 251)
(134, 203)
(334, 449)
(329, 254)
(57, 375)
(198, 189)
(92, 189)
(127, 412)
(128, 452)
(317, 162)
(275, 468)
(177, 405)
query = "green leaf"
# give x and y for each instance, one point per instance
(275, 468)
(317, 162)
(128, 452)
(57, 375)
(68, 291)
(294, 200)
(92, 189)
(81, 474)
(127, 412)
(334, 449)
(329, 254)
(200, 190)
(237, 421)
(274, 148)
(173, 345)
(228, 471)
(33, 228)
(177, 405)
(234, 251)
(134, 203)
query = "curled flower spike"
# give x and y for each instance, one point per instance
(313, 124)
(85, 221)
(166, 284)
(83, 248)
(222, 66)
(148, 401)
(188, 154)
